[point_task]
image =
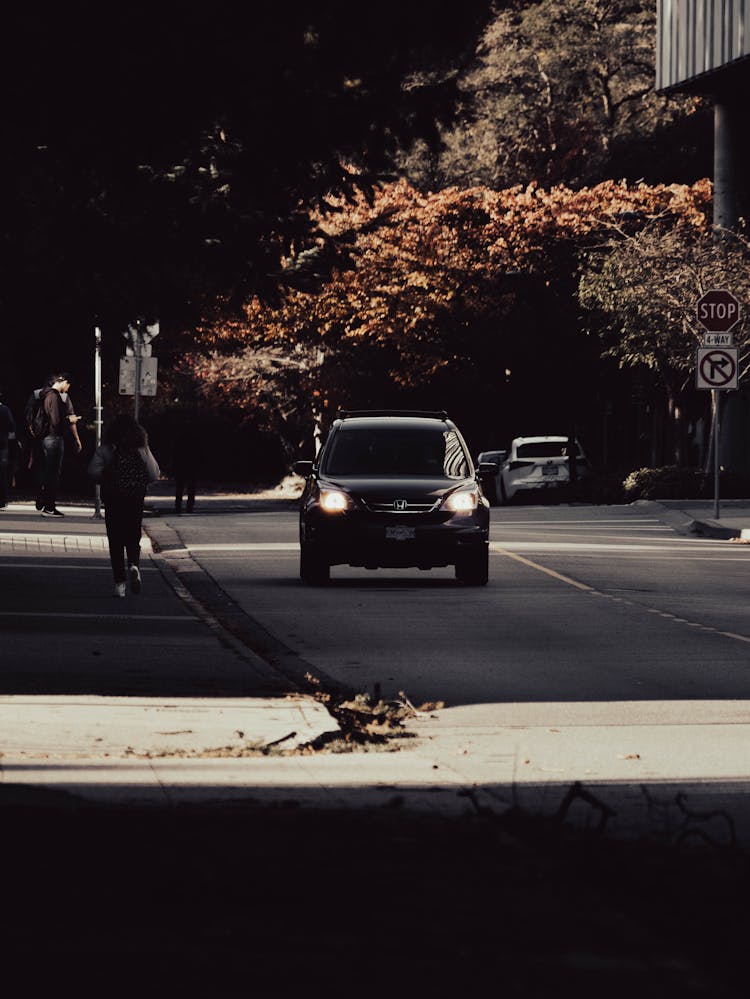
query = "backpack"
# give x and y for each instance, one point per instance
(128, 475)
(37, 417)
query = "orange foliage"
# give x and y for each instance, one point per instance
(419, 266)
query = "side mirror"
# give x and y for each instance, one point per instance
(303, 468)
(487, 468)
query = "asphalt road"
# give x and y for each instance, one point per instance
(241, 899)
(583, 604)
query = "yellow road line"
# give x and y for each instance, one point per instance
(632, 603)
(737, 638)
(542, 568)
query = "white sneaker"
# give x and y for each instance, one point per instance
(135, 579)
(119, 589)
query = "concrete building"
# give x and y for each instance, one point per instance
(703, 47)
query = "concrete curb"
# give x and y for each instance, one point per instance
(268, 653)
(687, 525)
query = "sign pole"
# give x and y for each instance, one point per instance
(718, 310)
(98, 411)
(138, 368)
(137, 349)
(715, 397)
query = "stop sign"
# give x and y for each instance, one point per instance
(718, 310)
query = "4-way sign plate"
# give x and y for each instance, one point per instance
(716, 368)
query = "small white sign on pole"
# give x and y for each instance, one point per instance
(718, 340)
(149, 367)
(127, 376)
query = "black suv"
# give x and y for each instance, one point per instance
(393, 489)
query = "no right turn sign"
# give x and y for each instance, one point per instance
(716, 368)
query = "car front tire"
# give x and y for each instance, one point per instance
(314, 568)
(473, 567)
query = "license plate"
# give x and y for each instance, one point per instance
(550, 470)
(400, 533)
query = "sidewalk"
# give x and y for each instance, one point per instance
(633, 768)
(62, 737)
(695, 518)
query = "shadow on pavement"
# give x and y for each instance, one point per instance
(249, 900)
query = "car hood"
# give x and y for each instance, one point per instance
(381, 490)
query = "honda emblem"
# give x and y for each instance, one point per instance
(399, 504)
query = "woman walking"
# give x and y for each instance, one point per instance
(124, 465)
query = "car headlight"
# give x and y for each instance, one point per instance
(334, 500)
(462, 501)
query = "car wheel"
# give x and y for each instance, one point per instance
(503, 494)
(314, 568)
(473, 567)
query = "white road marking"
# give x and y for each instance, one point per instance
(104, 567)
(588, 546)
(181, 618)
(248, 546)
(244, 556)
(665, 555)
(587, 528)
(625, 523)
(690, 549)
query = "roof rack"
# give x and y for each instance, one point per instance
(432, 414)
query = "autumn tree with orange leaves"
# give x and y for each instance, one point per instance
(411, 288)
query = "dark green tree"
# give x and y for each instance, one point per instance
(562, 91)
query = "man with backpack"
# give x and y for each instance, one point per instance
(51, 417)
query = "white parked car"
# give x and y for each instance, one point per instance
(533, 464)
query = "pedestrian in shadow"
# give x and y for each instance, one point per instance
(185, 461)
(58, 420)
(7, 449)
(124, 466)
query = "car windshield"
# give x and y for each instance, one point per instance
(396, 451)
(544, 449)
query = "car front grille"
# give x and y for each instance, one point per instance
(400, 507)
